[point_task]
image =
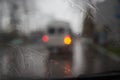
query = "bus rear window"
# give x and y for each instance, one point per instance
(51, 30)
(61, 30)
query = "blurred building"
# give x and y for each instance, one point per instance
(108, 20)
(88, 25)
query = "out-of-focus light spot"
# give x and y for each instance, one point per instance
(45, 38)
(55, 62)
(67, 69)
(67, 40)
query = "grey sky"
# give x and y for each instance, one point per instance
(42, 11)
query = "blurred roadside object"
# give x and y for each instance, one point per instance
(5, 38)
(101, 36)
(13, 38)
(36, 36)
(96, 37)
(88, 27)
(77, 35)
(17, 41)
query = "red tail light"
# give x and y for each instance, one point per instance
(45, 38)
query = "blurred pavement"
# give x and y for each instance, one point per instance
(34, 60)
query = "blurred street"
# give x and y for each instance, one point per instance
(36, 61)
(59, 38)
(85, 60)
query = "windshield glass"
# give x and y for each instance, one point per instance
(86, 39)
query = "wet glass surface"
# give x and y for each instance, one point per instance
(87, 43)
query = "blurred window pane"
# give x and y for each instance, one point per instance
(61, 30)
(51, 30)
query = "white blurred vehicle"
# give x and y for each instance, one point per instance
(58, 36)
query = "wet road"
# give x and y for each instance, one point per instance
(36, 61)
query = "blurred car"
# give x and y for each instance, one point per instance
(35, 37)
(58, 36)
(17, 41)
